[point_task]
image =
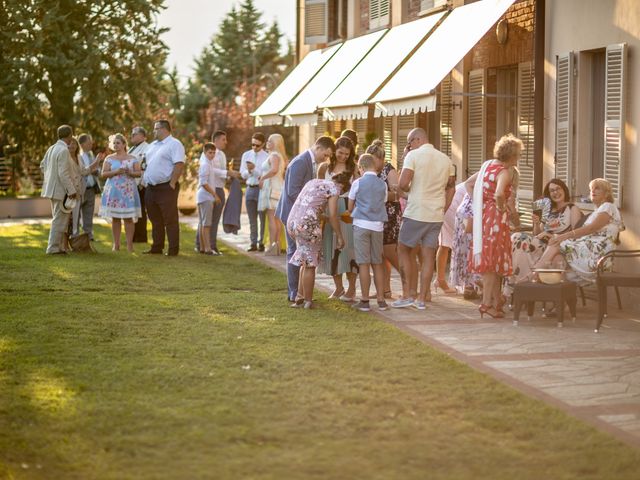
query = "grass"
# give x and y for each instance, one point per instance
(117, 366)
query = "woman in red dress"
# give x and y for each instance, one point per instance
(491, 252)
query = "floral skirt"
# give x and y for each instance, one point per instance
(308, 237)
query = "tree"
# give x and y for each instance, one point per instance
(94, 64)
(244, 55)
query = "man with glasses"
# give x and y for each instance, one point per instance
(165, 163)
(250, 169)
(138, 149)
(428, 176)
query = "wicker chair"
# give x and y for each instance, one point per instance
(605, 279)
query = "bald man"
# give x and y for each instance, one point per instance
(428, 176)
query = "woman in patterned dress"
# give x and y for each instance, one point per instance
(120, 198)
(388, 173)
(491, 246)
(582, 247)
(460, 275)
(305, 227)
(342, 161)
(527, 248)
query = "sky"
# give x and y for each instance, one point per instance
(192, 23)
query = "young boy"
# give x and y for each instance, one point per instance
(206, 197)
(368, 195)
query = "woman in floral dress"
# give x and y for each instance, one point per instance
(491, 246)
(527, 248)
(120, 198)
(460, 275)
(583, 247)
(305, 227)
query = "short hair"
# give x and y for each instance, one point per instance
(376, 149)
(507, 147)
(351, 135)
(259, 136)
(84, 138)
(164, 124)
(217, 134)
(64, 131)
(366, 161)
(117, 136)
(559, 183)
(209, 146)
(141, 130)
(604, 185)
(326, 142)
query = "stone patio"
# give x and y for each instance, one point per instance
(595, 377)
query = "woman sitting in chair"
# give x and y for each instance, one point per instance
(583, 247)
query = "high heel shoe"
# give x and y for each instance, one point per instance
(272, 251)
(487, 309)
(446, 289)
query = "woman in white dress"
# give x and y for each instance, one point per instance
(271, 182)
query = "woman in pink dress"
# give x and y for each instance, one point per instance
(491, 251)
(305, 227)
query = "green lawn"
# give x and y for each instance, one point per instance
(116, 366)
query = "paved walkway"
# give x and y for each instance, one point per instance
(595, 377)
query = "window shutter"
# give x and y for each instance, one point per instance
(387, 138)
(475, 121)
(526, 134)
(614, 111)
(316, 21)
(378, 13)
(360, 126)
(406, 123)
(565, 167)
(446, 115)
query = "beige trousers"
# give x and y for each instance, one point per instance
(58, 226)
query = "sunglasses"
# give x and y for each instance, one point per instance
(256, 145)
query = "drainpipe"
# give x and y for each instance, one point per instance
(538, 99)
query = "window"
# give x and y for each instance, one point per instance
(378, 13)
(426, 5)
(315, 21)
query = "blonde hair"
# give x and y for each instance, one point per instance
(604, 185)
(366, 161)
(376, 149)
(277, 142)
(117, 136)
(507, 148)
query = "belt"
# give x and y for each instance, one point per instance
(253, 186)
(159, 184)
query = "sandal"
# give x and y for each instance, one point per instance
(336, 294)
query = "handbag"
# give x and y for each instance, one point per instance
(81, 243)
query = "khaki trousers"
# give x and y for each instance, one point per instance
(58, 226)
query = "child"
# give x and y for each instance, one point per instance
(368, 194)
(206, 197)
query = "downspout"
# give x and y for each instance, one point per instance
(538, 99)
(299, 17)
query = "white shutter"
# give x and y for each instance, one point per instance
(406, 123)
(565, 163)
(526, 134)
(316, 25)
(446, 115)
(614, 111)
(387, 138)
(378, 13)
(475, 121)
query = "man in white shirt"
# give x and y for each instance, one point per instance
(251, 169)
(138, 149)
(165, 164)
(87, 207)
(219, 167)
(429, 178)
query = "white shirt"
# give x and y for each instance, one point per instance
(219, 166)
(257, 158)
(162, 155)
(87, 160)
(359, 222)
(206, 176)
(139, 152)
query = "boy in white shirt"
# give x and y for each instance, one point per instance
(367, 199)
(206, 197)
